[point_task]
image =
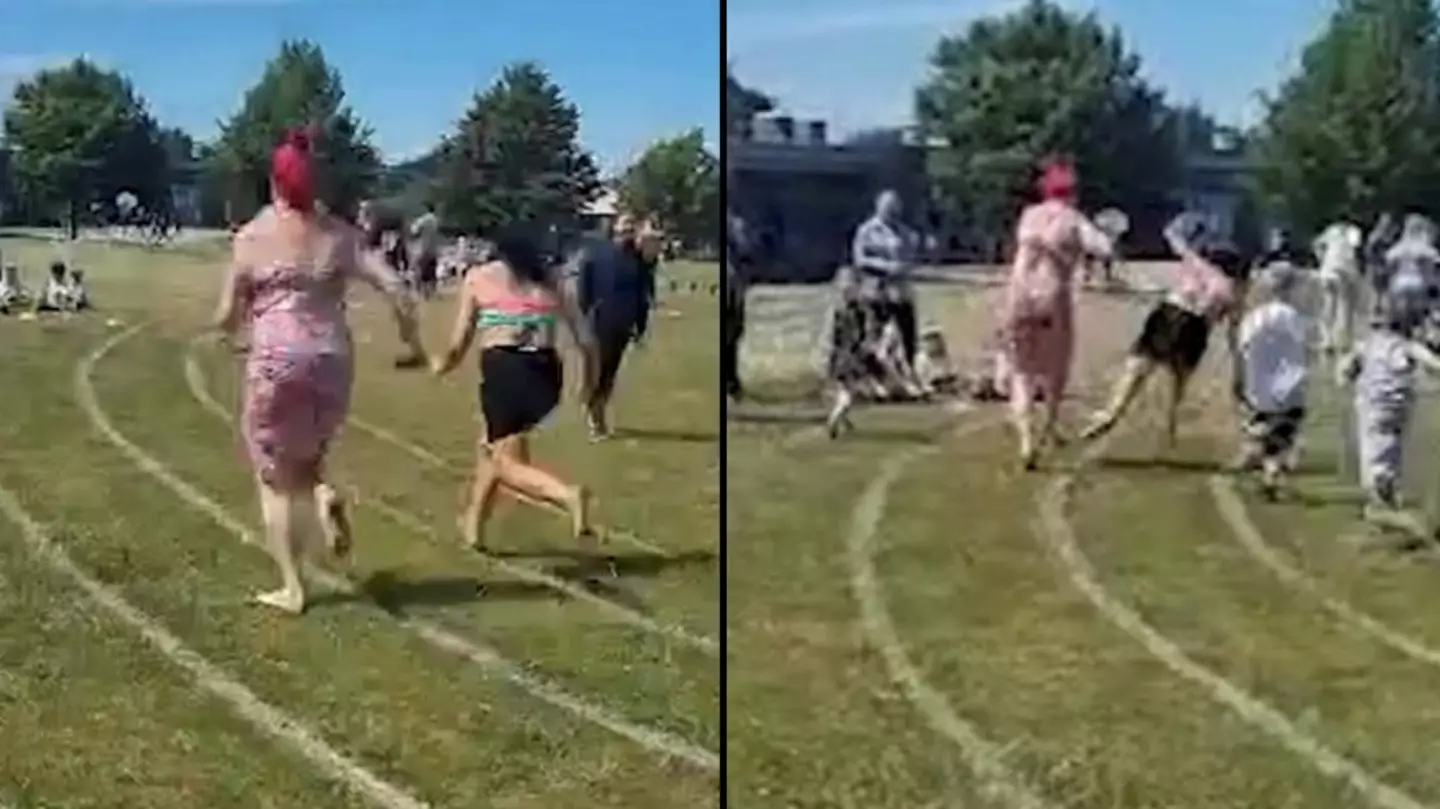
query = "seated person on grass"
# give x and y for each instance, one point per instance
(13, 293)
(61, 293)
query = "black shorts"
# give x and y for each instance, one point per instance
(1273, 434)
(519, 388)
(1173, 337)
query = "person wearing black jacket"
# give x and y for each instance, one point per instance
(616, 288)
(738, 260)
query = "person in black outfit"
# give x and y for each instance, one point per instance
(616, 287)
(738, 259)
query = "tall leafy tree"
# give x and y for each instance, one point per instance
(742, 104)
(1042, 80)
(1356, 130)
(79, 135)
(298, 88)
(516, 157)
(676, 181)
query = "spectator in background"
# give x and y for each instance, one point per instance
(616, 285)
(425, 252)
(884, 251)
(739, 257)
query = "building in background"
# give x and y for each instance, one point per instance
(803, 196)
(1214, 177)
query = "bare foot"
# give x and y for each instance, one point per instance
(1098, 426)
(335, 519)
(580, 513)
(285, 600)
(470, 536)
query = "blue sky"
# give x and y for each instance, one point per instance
(638, 69)
(857, 63)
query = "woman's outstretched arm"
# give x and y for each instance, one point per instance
(462, 329)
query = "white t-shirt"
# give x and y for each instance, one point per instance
(1338, 249)
(1274, 357)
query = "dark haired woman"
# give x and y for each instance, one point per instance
(514, 304)
(1209, 290)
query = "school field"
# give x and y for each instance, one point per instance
(134, 674)
(916, 624)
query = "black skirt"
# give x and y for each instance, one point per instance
(1173, 337)
(519, 388)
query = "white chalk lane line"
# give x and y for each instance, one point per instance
(984, 758)
(262, 716)
(1058, 537)
(199, 390)
(481, 655)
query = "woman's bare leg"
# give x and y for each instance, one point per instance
(484, 492)
(1132, 380)
(1179, 384)
(506, 458)
(281, 509)
(1022, 402)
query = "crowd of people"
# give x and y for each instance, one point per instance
(1390, 276)
(64, 290)
(284, 302)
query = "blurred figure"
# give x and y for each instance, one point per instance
(1209, 290)
(739, 257)
(884, 250)
(1053, 240)
(424, 254)
(1274, 368)
(60, 293)
(1337, 249)
(1383, 371)
(616, 288)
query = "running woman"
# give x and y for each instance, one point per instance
(1053, 240)
(1210, 288)
(514, 304)
(287, 284)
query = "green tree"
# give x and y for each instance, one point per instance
(79, 135)
(1356, 130)
(1012, 89)
(676, 181)
(298, 88)
(516, 157)
(742, 104)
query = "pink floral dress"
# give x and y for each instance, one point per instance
(298, 373)
(1052, 238)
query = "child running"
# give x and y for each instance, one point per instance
(1382, 369)
(1274, 366)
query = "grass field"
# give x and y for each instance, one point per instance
(134, 674)
(916, 623)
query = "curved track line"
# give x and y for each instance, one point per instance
(486, 657)
(1058, 537)
(985, 758)
(1236, 515)
(200, 392)
(199, 389)
(262, 716)
(673, 632)
(430, 459)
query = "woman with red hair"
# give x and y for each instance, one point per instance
(1052, 242)
(288, 276)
